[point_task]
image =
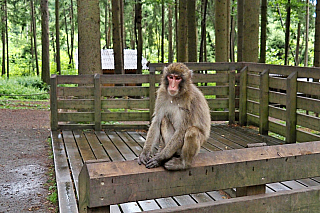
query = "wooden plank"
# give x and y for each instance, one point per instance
(306, 200)
(308, 121)
(166, 202)
(222, 139)
(309, 88)
(96, 146)
(136, 149)
(208, 78)
(124, 78)
(264, 103)
(308, 104)
(183, 200)
(74, 158)
(218, 103)
(125, 116)
(76, 104)
(76, 116)
(252, 166)
(243, 97)
(75, 79)
(84, 147)
(148, 205)
(125, 104)
(291, 108)
(278, 83)
(277, 98)
(214, 90)
(66, 196)
(83, 91)
(110, 148)
(232, 95)
(219, 115)
(53, 103)
(125, 151)
(125, 91)
(196, 66)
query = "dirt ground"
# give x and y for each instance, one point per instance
(25, 164)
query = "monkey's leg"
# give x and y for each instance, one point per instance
(193, 140)
(166, 130)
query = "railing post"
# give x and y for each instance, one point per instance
(152, 91)
(97, 102)
(53, 102)
(232, 91)
(291, 108)
(264, 103)
(243, 97)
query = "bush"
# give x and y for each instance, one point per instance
(26, 87)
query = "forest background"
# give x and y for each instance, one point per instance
(40, 37)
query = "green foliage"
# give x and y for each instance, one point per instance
(23, 87)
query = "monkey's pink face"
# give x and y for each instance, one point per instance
(174, 81)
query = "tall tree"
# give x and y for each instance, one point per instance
(34, 36)
(162, 30)
(45, 70)
(221, 30)
(139, 39)
(182, 32)
(192, 31)
(240, 7)
(3, 35)
(89, 52)
(203, 31)
(287, 36)
(263, 41)
(170, 48)
(251, 31)
(57, 13)
(117, 39)
(316, 62)
(307, 35)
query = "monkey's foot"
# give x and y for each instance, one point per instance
(176, 164)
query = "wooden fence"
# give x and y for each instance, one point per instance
(274, 98)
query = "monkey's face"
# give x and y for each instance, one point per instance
(173, 86)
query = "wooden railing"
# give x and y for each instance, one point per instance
(274, 98)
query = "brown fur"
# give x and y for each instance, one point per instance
(181, 123)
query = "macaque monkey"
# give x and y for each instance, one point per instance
(181, 122)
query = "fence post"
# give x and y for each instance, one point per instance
(232, 91)
(97, 102)
(291, 108)
(243, 97)
(152, 91)
(53, 102)
(264, 103)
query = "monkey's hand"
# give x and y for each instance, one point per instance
(154, 162)
(144, 158)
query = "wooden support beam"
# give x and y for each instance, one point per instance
(291, 108)
(103, 184)
(301, 200)
(243, 97)
(232, 95)
(152, 92)
(97, 102)
(54, 102)
(264, 103)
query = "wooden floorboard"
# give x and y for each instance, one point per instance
(73, 148)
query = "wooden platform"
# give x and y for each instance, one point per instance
(73, 148)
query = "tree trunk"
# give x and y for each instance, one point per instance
(116, 37)
(192, 31)
(72, 33)
(251, 31)
(297, 60)
(203, 30)
(182, 32)
(139, 37)
(221, 30)
(34, 31)
(89, 51)
(316, 62)
(264, 21)
(176, 8)
(170, 48)
(240, 30)
(232, 34)
(306, 56)
(3, 38)
(45, 71)
(162, 31)
(287, 35)
(57, 13)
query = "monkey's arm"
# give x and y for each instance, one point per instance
(153, 138)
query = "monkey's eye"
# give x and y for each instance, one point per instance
(170, 76)
(178, 78)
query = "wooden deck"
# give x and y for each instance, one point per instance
(73, 148)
